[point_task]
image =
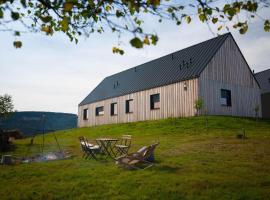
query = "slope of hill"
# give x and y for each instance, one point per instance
(30, 123)
(192, 162)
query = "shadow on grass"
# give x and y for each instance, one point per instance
(8, 148)
(166, 168)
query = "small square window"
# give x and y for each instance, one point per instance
(85, 114)
(113, 109)
(225, 99)
(129, 106)
(100, 111)
(154, 101)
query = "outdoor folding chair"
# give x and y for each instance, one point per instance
(124, 145)
(89, 150)
(139, 159)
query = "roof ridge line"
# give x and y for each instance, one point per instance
(227, 35)
(223, 35)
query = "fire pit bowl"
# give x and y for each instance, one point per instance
(50, 156)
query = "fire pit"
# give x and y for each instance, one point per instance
(46, 157)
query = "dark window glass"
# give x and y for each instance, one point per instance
(99, 110)
(113, 109)
(129, 106)
(226, 97)
(154, 101)
(85, 114)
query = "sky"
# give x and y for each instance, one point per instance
(53, 74)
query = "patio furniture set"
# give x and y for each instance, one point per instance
(111, 148)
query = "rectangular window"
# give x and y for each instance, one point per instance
(225, 99)
(154, 101)
(100, 111)
(85, 114)
(113, 109)
(129, 106)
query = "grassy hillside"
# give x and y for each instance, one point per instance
(192, 163)
(31, 122)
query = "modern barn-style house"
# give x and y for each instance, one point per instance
(263, 78)
(214, 71)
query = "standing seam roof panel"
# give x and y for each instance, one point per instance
(159, 72)
(263, 78)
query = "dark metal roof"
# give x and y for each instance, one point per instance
(263, 78)
(175, 67)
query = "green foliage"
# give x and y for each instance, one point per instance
(190, 163)
(267, 26)
(1, 13)
(79, 17)
(214, 20)
(17, 44)
(6, 105)
(47, 29)
(244, 28)
(118, 50)
(257, 109)
(146, 40)
(68, 6)
(198, 105)
(46, 19)
(17, 33)
(64, 24)
(136, 42)
(154, 39)
(202, 17)
(15, 16)
(188, 18)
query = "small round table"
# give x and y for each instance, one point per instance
(107, 145)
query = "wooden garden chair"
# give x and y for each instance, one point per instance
(89, 149)
(124, 145)
(139, 159)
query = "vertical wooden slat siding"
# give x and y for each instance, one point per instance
(228, 70)
(174, 102)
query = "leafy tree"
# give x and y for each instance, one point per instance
(256, 110)
(6, 105)
(198, 106)
(84, 17)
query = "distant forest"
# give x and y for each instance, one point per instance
(30, 123)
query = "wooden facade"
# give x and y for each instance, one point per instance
(175, 101)
(263, 78)
(226, 70)
(229, 70)
(265, 105)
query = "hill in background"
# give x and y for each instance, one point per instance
(30, 123)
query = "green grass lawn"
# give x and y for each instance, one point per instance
(191, 163)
